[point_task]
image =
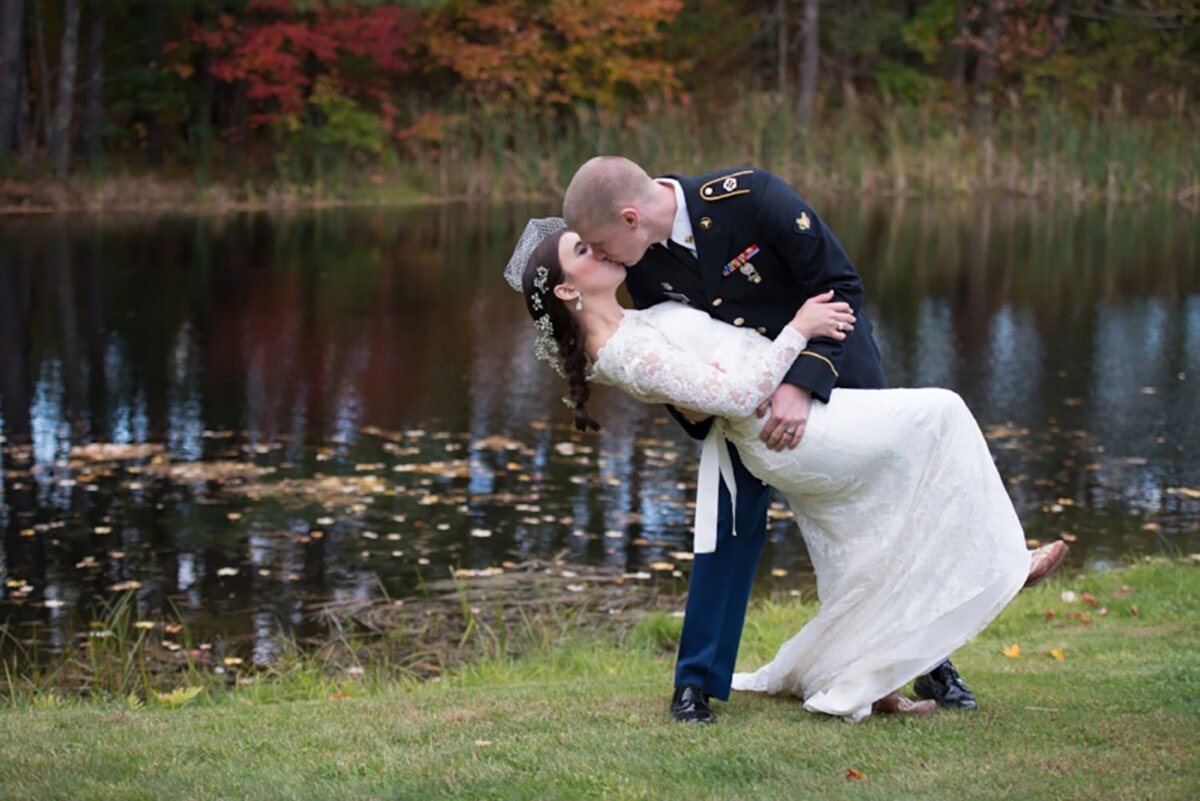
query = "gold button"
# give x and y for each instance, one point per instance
(739, 320)
(717, 301)
(762, 329)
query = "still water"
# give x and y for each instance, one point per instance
(339, 403)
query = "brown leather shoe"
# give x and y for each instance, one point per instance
(1045, 560)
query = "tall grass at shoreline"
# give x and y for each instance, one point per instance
(867, 148)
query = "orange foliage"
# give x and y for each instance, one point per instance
(553, 53)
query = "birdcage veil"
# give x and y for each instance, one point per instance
(535, 231)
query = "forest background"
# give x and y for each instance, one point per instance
(109, 103)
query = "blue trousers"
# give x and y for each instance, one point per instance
(719, 588)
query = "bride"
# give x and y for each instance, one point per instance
(914, 541)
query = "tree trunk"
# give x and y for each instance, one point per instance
(93, 100)
(156, 41)
(985, 72)
(42, 118)
(12, 39)
(781, 44)
(60, 140)
(808, 81)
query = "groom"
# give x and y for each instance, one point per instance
(744, 247)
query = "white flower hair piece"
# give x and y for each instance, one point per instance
(546, 347)
(535, 231)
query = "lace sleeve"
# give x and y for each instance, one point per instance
(650, 368)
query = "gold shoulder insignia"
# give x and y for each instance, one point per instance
(735, 183)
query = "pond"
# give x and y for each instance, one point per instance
(236, 417)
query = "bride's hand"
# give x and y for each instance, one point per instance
(822, 316)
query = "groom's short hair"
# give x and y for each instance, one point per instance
(603, 186)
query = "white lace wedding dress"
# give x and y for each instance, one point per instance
(913, 538)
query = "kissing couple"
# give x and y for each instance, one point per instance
(749, 326)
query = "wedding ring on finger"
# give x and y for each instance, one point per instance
(840, 326)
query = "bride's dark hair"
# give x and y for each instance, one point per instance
(565, 329)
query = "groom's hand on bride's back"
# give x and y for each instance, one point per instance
(788, 407)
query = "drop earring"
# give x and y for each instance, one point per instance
(579, 304)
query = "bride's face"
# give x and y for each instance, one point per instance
(588, 272)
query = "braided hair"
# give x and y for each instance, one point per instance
(542, 273)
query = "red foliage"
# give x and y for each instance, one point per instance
(279, 51)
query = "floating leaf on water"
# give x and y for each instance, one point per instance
(614, 534)
(1011, 651)
(778, 572)
(661, 566)
(1187, 492)
(125, 585)
(54, 603)
(102, 530)
(144, 624)
(497, 443)
(227, 571)
(481, 533)
(109, 452)
(234, 515)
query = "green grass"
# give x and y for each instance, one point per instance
(585, 717)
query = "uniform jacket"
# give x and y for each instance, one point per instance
(761, 251)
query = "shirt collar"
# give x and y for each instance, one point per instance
(681, 229)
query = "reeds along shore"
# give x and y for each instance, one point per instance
(867, 148)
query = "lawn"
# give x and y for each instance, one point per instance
(1100, 699)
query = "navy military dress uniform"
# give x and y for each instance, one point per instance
(760, 252)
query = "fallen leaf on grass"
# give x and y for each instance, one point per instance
(855, 775)
(1133, 610)
(1058, 654)
(1049, 614)
(482, 743)
(1090, 599)
(1124, 592)
(177, 697)
(339, 696)
(1011, 651)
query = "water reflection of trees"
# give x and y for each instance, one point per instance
(298, 330)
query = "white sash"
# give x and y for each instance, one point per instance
(715, 465)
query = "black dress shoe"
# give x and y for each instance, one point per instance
(690, 705)
(944, 685)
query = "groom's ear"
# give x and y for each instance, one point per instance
(630, 217)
